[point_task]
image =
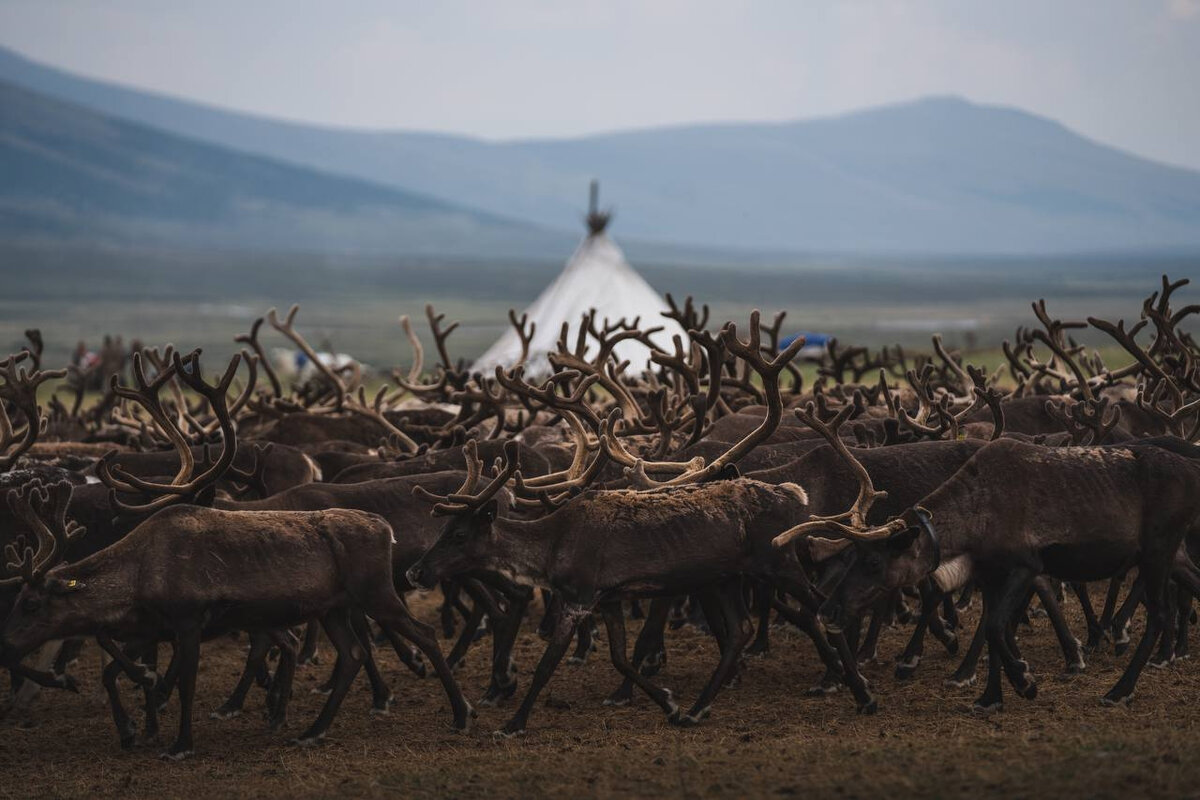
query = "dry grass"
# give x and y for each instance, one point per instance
(764, 738)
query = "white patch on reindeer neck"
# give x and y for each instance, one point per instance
(314, 468)
(953, 574)
(797, 490)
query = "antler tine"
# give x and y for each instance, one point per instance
(440, 336)
(467, 499)
(251, 339)
(867, 494)
(20, 563)
(953, 365)
(374, 411)
(767, 369)
(43, 509)
(991, 396)
(526, 338)
(288, 329)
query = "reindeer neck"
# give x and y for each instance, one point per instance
(525, 548)
(955, 511)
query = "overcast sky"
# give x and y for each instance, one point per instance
(1126, 72)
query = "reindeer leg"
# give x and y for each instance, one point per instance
(737, 631)
(587, 645)
(446, 609)
(1072, 648)
(965, 674)
(67, 655)
(1017, 593)
(950, 613)
(868, 651)
(260, 644)
(126, 730)
(564, 631)
(381, 695)
(1120, 623)
(281, 685)
(503, 684)
(27, 691)
(649, 653)
(806, 621)
(992, 625)
(1185, 613)
(763, 593)
(551, 608)
(408, 655)
(467, 637)
(1153, 579)
(308, 650)
(906, 667)
(390, 612)
(1095, 631)
(614, 624)
(189, 665)
(350, 655)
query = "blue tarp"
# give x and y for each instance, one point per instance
(811, 340)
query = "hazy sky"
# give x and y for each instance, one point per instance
(1126, 72)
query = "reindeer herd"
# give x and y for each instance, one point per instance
(728, 484)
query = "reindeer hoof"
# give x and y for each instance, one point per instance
(309, 741)
(321, 691)
(961, 683)
(906, 669)
(1029, 691)
(617, 701)
(653, 664)
(983, 709)
(690, 719)
(868, 708)
(508, 733)
(225, 713)
(175, 755)
(496, 694)
(1077, 668)
(1117, 702)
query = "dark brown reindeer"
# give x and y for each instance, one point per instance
(1082, 514)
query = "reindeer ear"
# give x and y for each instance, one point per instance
(902, 540)
(821, 549)
(728, 472)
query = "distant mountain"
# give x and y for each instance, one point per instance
(940, 175)
(71, 173)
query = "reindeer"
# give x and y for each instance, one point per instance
(605, 546)
(190, 573)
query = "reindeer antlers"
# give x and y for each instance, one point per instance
(42, 509)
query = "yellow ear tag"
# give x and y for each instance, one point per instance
(71, 583)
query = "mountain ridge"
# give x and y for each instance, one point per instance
(940, 175)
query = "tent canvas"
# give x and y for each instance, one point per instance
(597, 276)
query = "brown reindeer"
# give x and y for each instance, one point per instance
(190, 573)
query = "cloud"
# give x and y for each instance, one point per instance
(1183, 9)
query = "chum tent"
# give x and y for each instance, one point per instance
(596, 276)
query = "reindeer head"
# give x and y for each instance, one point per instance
(885, 557)
(868, 568)
(465, 544)
(34, 619)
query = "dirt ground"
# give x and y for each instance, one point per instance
(764, 738)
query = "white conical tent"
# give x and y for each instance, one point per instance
(597, 276)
